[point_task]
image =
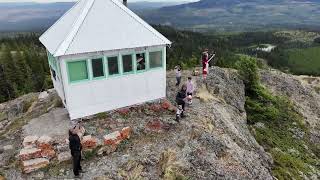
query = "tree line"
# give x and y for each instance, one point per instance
(23, 66)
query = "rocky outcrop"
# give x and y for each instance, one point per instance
(212, 142)
(301, 90)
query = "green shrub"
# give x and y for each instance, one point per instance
(279, 117)
(248, 71)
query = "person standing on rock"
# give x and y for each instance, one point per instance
(75, 147)
(177, 70)
(205, 63)
(190, 90)
(181, 100)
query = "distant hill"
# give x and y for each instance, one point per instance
(39, 16)
(30, 16)
(239, 15)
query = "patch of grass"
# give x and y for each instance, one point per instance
(305, 60)
(316, 88)
(87, 155)
(102, 115)
(28, 104)
(15, 125)
(2, 116)
(132, 171)
(123, 145)
(170, 167)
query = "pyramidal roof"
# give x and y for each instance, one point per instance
(99, 25)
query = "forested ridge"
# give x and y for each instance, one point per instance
(23, 66)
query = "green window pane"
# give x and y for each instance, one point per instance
(141, 61)
(97, 67)
(113, 66)
(155, 59)
(77, 70)
(127, 63)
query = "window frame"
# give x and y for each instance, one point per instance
(107, 66)
(103, 66)
(146, 61)
(162, 58)
(87, 67)
(133, 61)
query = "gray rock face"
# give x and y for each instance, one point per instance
(226, 84)
(301, 91)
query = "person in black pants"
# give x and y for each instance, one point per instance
(75, 147)
(181, 98)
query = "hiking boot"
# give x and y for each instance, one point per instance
(82, 171)
(77, 176)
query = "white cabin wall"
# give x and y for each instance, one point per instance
(57, 83)
(95, 96)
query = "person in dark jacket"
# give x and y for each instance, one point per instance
(181, 98)
(75, 147)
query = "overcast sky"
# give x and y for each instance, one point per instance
(45, 1)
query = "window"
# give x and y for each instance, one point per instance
(77, 70)
(113, 65)
(97, 68)
(141, 61)
(127, 63)
(155, 59)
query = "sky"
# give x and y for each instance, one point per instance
(46, 1)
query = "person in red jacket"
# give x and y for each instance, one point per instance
(205, 63)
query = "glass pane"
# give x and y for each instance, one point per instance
(77, 70)
(97, 67)
(113, 65)
(127, 63)
(155, 59)
(141, 61)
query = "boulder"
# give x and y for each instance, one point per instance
(64, 156)
(112, 139)
(7, 147)
(43, 95)
(30, 141)
(34, 164)
(29, 153)
(125, 133)
(89, 142)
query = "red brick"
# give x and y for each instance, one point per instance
(166, 104)
(112, 139)
(29, 153)
(125, 133)
(123, 111)
(29, 166)
(44, 142)
(89, 142)
(48, 153)
(156, 107)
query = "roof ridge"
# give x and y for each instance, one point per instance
(64, 46)
(141, 21)
(65, 14)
